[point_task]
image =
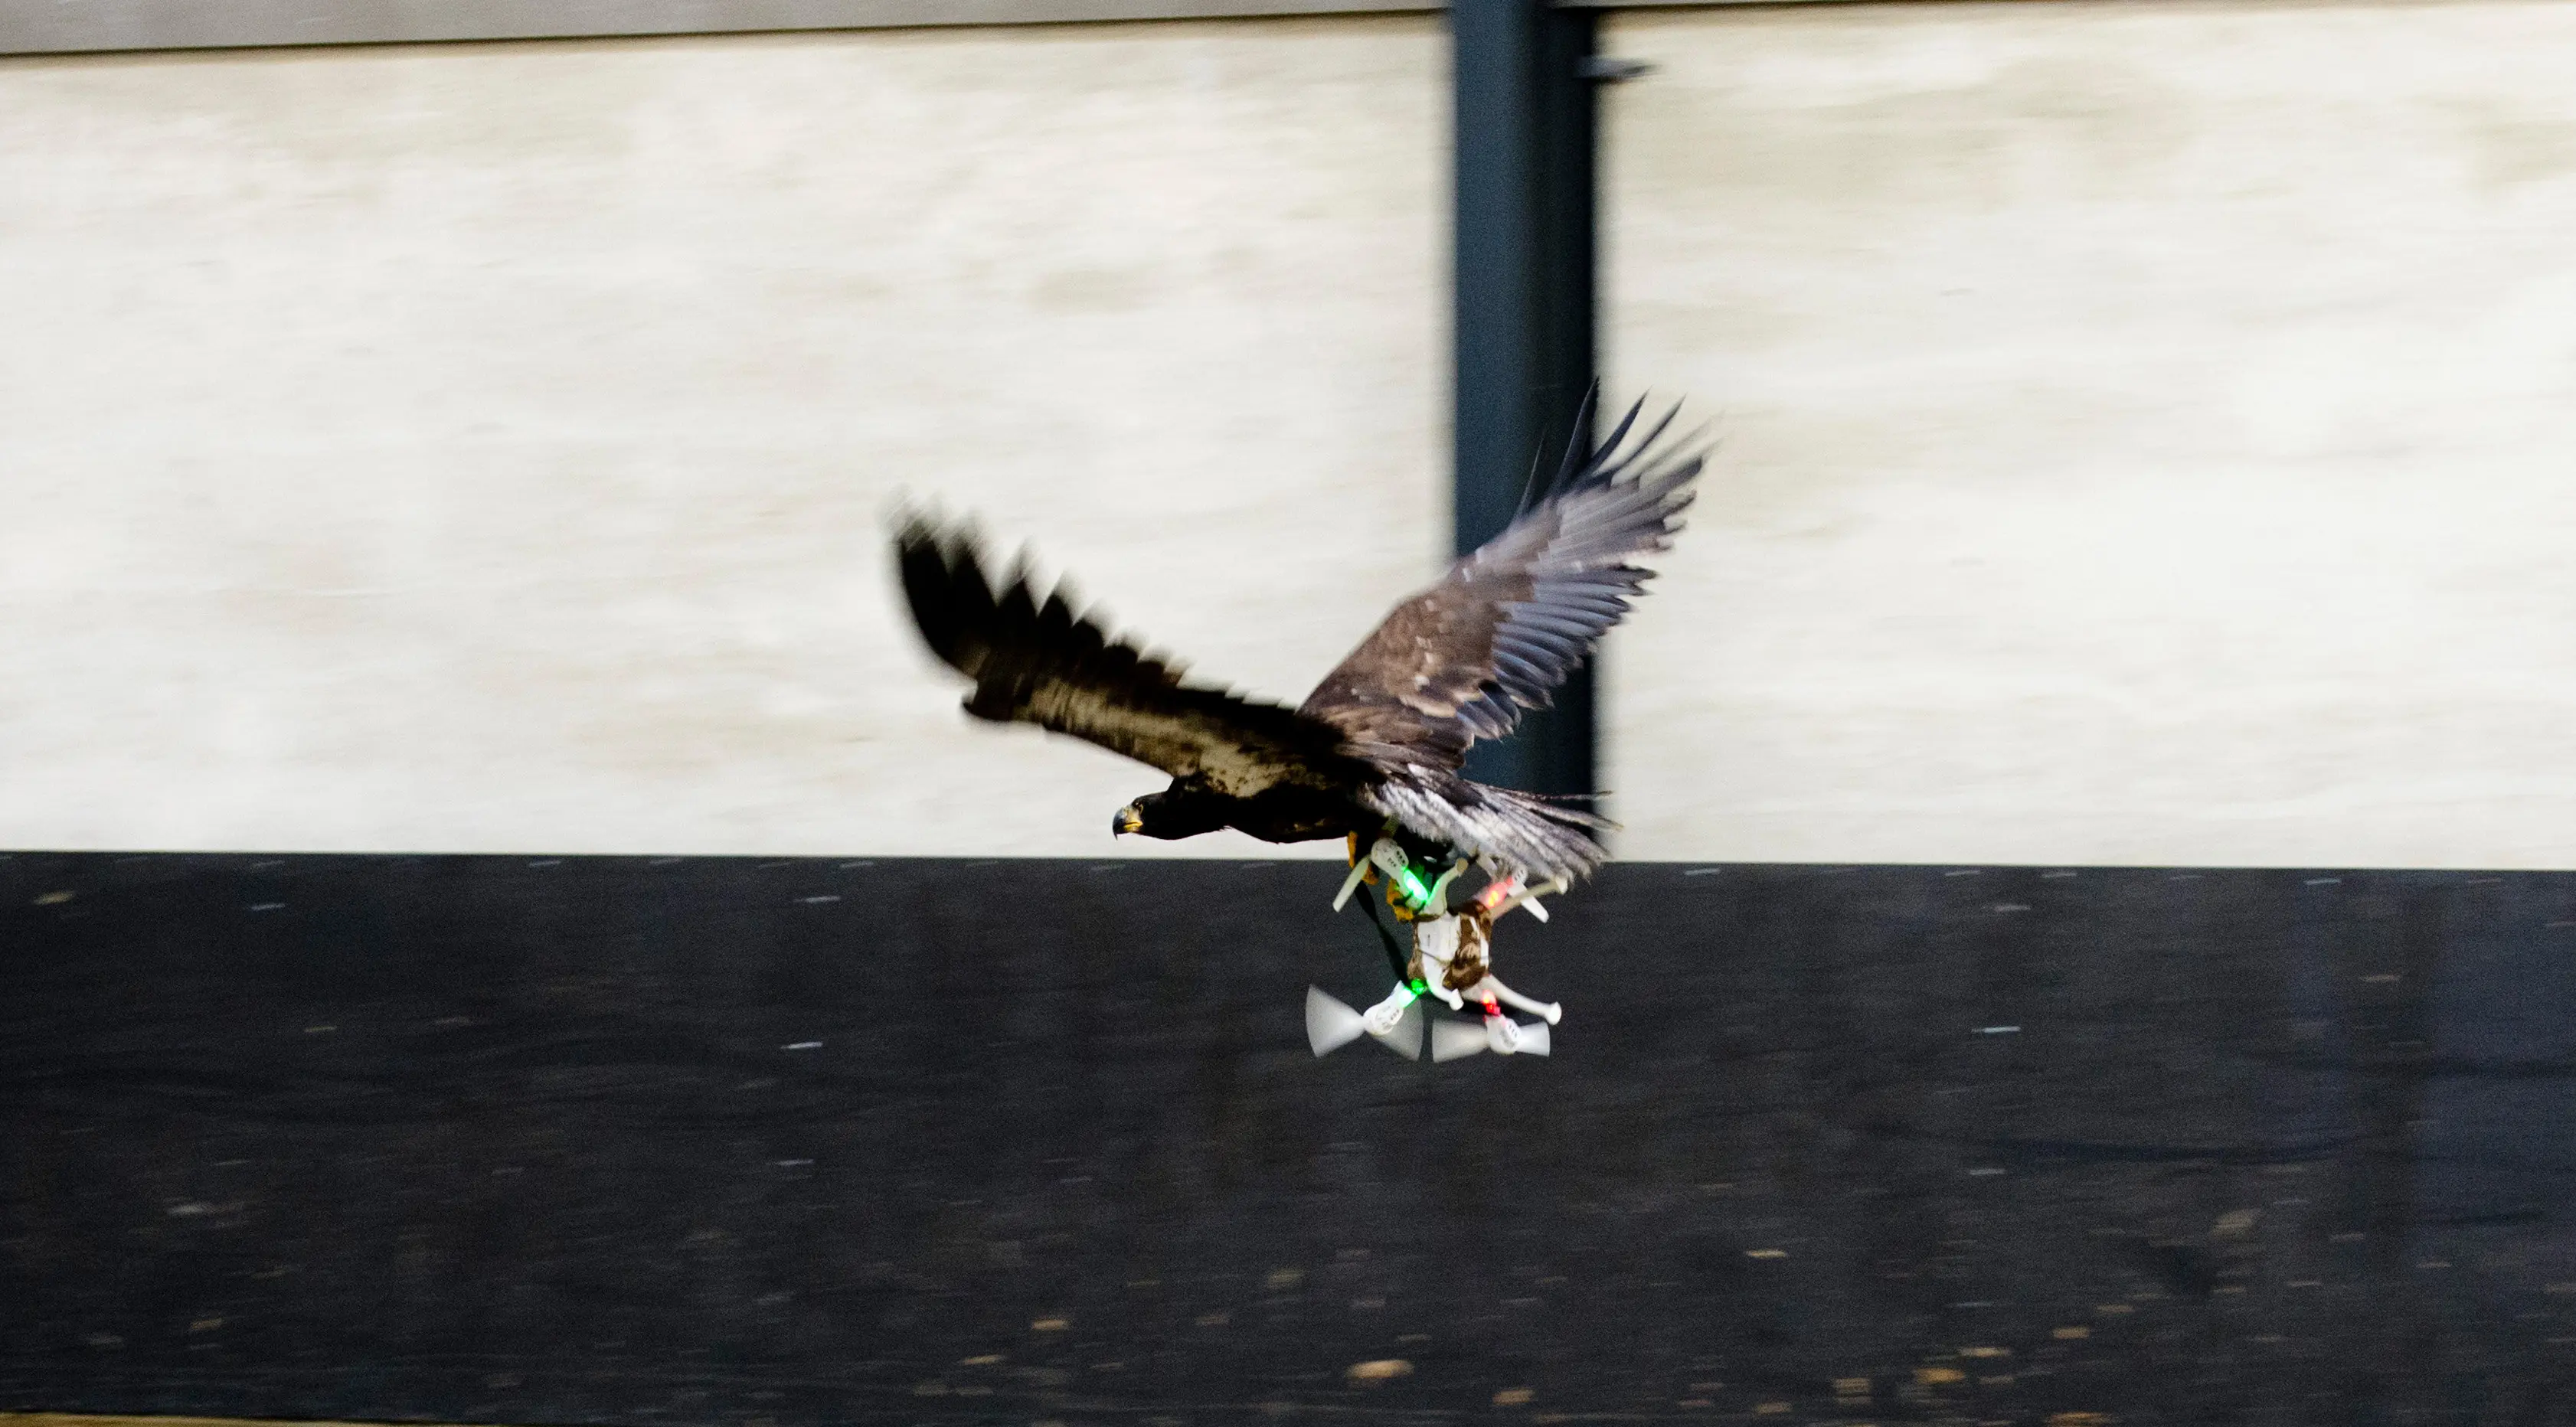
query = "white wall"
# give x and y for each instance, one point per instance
(2145, 424)
(2150, 432)
(485, 448)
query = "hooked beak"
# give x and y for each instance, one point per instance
(1125, 822)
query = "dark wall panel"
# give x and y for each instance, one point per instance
(720, 1141)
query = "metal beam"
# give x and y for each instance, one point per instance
(1524, 308)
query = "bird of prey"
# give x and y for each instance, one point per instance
(1378, 745)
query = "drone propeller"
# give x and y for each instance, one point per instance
(1406, 1039)
(1454, 1040)
(1330, 1025)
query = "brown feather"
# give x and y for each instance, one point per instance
(1038, 661)
(1463, 659)
(1383, 735)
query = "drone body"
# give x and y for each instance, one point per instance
(1451, 961)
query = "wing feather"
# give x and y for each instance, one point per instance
(1464, 659)
(1533, 836)
(1039, 661)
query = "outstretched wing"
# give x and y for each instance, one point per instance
(1461, 660)
(1037, 661)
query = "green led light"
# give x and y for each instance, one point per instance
(1414, 890)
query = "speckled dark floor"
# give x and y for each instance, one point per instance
(638, 1141)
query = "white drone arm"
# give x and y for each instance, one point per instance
(1548, 1011)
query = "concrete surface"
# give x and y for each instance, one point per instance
(487, 448)
(2147, 432)
(2143, 424)
(726, 1143)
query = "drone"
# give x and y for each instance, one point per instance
(1451, 961)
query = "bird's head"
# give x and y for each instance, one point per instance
(1170, 815)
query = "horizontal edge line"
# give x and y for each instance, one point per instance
(73, 27)
(99, 1419)
(52, 27)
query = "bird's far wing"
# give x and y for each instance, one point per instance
(1037, 661)
(1538, 837)
(1461, 660)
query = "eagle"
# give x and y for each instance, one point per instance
(1377, 747)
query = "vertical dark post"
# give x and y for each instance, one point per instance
(1524, 295)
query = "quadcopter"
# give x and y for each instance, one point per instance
(1451, 961)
